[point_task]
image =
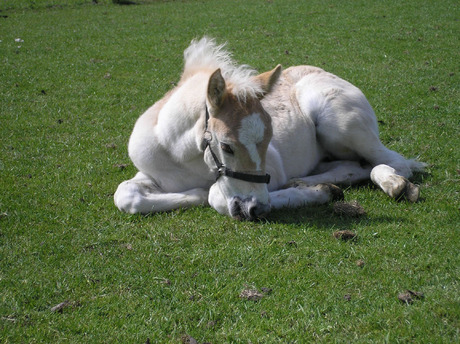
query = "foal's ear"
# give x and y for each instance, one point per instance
(268, 79)
(216, 89)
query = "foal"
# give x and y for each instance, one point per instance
(246, 143)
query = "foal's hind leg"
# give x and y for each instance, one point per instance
(142, 195)
(357, 138)
(346, 129)
(390, 170)
(391, 173)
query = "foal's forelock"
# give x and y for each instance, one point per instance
(205, 54)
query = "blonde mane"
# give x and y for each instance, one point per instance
(206, 54)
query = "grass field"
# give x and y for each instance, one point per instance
(74, 78)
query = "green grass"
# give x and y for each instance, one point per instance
(70, 95)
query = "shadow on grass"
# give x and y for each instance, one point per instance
(319, 216)
(324, 217)
(420, 177)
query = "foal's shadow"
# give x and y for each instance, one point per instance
(325, 216)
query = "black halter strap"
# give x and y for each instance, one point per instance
(224, 171)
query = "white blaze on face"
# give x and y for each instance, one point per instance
(250, 134)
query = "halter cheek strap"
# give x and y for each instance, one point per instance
(224, 171)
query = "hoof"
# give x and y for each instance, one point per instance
(335, 191)
(410, 193)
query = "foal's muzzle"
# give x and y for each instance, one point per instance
(248, 209)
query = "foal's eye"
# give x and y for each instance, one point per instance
(226, 148)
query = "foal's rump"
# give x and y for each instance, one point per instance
(344, 119)
(346, 131)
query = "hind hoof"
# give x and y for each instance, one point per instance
(411, 192)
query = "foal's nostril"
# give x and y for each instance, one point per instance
(235, 208)
(257, 210)
(253, 211)
(248, 209)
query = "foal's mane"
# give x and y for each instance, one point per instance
(206, 54)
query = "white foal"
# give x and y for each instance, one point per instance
(246, 143)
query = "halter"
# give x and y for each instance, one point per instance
(224, 171)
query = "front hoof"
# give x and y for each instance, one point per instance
(335, 192)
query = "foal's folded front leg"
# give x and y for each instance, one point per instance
(142, 195)
(298, 194)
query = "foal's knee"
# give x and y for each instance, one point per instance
(128, 197)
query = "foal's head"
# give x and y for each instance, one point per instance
(236, 142)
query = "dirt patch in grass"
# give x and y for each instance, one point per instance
(344, 235)
(349, 209)
(254, 294)
(409, 296)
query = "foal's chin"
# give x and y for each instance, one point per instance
(217, 201)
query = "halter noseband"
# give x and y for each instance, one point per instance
(224, 171)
